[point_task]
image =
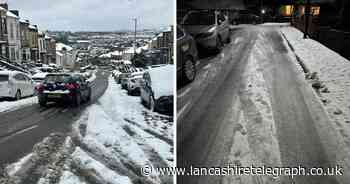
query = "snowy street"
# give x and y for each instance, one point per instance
(105, 141)
(256, 104)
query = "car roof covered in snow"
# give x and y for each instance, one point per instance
(40, 75)
(9, 72)
(162, 80)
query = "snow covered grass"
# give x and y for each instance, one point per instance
(332, 71)
(6, 106)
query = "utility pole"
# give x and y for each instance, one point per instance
(135, 20)
(307, 17)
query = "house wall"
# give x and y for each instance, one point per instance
(14, 41)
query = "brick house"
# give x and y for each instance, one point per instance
(33, 43)
(3, 31)
(25, 42)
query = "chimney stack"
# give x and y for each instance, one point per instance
(4, 5)
(16, 12)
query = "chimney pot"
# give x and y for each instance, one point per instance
(4, 5)
(16, 12)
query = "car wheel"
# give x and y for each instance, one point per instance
(189, 70)
(18, 95)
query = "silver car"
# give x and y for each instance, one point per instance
(209, 28)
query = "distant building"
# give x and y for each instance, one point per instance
(3, 31)
(82, 44)
(65, 56)
(25, 42)
(51, 49)
(33, 43)
(14, 40)
(42, 48)
(164, 42)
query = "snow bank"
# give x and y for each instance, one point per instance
(332, 73)
(15, 167)
(331, 70)
(70, 178)
(6, 106)
(96, 170)
(111, 134)
(117, 103)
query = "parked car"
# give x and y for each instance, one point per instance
(186, 56)
(123, 78)
(64, 87)
(246, 18)
(209, 28)
(157, 89)
(15, 84)
(134, 83)
(116, 74)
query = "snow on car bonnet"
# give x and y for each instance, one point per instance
(162, 80)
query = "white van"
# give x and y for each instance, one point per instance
(15, 84)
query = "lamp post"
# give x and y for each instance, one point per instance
(134, 45)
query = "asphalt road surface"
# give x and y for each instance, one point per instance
(22, 128)
(208, 110)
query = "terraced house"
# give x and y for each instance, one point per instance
(3, 32)
(33, 43)
(14, 40)
(25, 42)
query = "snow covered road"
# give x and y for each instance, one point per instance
(24, 122)
(257, 110)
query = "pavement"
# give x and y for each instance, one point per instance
(22, 128)
(222, 120)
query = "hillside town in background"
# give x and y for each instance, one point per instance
(23, 45)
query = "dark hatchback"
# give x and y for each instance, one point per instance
(67, 88)
(187, 55)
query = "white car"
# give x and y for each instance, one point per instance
(15, 84)
(157, 89)
(134, 83)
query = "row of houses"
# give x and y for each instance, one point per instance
(21, 41)
(160, 45)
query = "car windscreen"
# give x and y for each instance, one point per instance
(4, 78)
(58, 78)
(200, 18)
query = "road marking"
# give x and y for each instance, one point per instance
(5, 138)
(25, 130)
(182, 94)
(182, 110)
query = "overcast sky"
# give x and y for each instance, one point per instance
(94, 15)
